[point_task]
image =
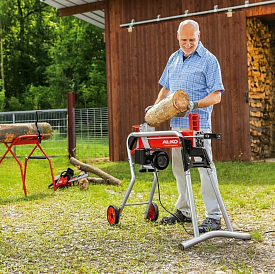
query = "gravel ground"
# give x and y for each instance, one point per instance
(48, 239)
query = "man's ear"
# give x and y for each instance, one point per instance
(178, 36)
(199, 35)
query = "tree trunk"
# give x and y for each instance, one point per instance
(88, 168)
(22, 28)
(167, 108)
(8, 132)
(2, 55)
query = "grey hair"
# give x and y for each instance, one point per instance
(188, 22)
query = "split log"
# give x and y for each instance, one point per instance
(8, 132)
(83, 183)
(167, 108)
(88, 168)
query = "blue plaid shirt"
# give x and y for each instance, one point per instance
(198, 75)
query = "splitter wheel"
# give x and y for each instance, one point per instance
(153, 213)
(113, 215)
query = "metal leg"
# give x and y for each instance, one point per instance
(211, 234)
(192, 203)
(152, 192)
(19, 163)
(219, 199)
(130, 186)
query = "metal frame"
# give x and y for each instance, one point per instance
(206, 164)
(27, 140)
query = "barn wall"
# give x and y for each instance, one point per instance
(136, 60)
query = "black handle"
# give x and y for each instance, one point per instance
(36, 124)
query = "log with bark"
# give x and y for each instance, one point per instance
(108, 179)
(8, 132)
(96, 180)
(167, 108)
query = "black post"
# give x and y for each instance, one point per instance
(71, 124)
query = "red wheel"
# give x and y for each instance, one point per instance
(113, 215)
(153, 213)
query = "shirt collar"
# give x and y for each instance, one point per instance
(199, 50)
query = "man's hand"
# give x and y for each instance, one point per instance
(149, 107)
(192, 105)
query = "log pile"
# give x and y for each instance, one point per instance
(261, 73)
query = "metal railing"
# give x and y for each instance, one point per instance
(91, 131)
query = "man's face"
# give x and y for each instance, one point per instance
(188, 37)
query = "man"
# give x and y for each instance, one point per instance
(194, 69)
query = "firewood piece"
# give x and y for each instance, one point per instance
(88, 168)
(83, 183)
(167, 108)
(96, 180)
(8, 132)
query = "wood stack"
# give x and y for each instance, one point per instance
(261, 73)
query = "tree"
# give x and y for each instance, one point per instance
(45, 56)
(78, 60)
(3, 21)
(2, 55)
(25, 50)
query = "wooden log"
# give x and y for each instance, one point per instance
(109, 179)
(96, 180)
(8, 132)
(167, 108)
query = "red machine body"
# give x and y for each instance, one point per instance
(171, 141)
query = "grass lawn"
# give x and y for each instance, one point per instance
(66, 231)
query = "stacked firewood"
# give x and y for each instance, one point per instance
(261, 84)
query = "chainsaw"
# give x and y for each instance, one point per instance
(66, 178)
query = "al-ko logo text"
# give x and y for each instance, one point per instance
(170, 142)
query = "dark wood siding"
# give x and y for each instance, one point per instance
(136, 60)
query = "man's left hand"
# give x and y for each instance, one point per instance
(149, 107)
(192, 105)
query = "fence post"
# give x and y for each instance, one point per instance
(13, 121)
(71, 124)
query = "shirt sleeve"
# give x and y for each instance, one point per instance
(164, 79)
(214, 77)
